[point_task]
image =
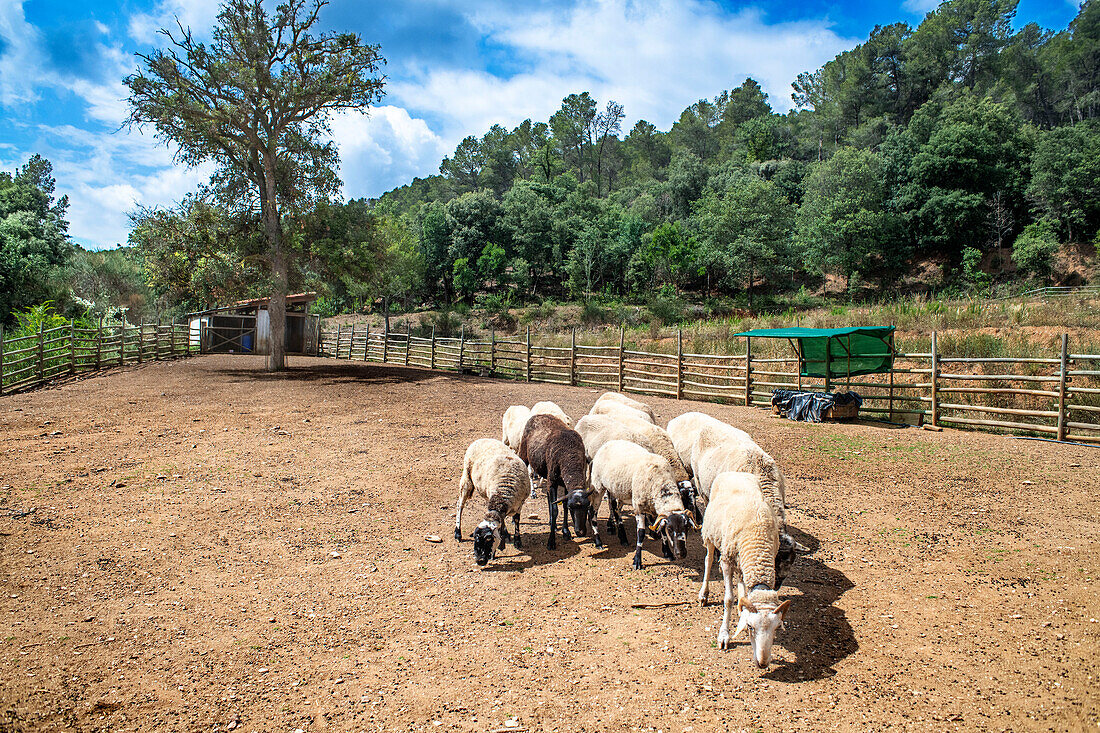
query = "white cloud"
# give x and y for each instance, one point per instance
(20, 71)
(198, 15)
(926, 6)
(655, 59)
(383, 150)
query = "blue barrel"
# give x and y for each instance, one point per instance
(246, 341)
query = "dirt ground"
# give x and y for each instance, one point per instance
(212, 548)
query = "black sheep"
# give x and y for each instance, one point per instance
(552, 450)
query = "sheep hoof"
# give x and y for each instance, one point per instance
(458, 534)
(637, 564)
(551, 544)
(610, 527)
(724, 642)
(565, 535)
(703, 601)
(518, 543)
(599, 545)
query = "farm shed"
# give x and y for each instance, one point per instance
(836, 352)
(245, 327)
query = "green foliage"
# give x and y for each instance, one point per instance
(33, 241)
(1034, 249)
(842, 219)
(1065, 183)
(972, 273)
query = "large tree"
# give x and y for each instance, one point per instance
(256, 101)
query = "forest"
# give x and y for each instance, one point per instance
(961, 155)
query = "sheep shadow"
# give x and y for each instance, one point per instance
(534, 553)
(817, 633)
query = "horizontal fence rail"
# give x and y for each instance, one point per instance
(50, 354)
(1056, 396)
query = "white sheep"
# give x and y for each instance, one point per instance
(512, 423)
(718, 449)
(596, 430)
(683, 431)
(630, 474)
(620, 398)
(740, 524)
(618, 409)
(496, 473)
(551, 408)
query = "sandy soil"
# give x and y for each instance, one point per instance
(213, 548)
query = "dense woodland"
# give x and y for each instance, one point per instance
(955, 155)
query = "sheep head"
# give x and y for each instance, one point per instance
(673, 529)
(487, 538)
(578, 503)
(762, 624)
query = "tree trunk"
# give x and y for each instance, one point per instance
(273, 230)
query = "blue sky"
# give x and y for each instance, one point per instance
(454, 68)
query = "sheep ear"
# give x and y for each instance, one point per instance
(801, 549)
(742, 622)
(744, 604)
(782, 609)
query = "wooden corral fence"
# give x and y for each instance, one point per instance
(1057, 395)
(30, 360)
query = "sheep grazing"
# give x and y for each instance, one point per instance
(512, 424)
(711, 448)
(555, 452)
(630, 474)
(618, 409)
(740, 524)
(596, 430)
(551, 408)
(620, 398)
(685, 429)
(496, 473)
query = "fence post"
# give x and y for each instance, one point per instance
(679, 364)
(528, 362)
(935, 380)
(72, 347)
(408, 341)
(492, 351)
(1, 358)
(461, 346)
(41, 351)
(892, 357)
(366, 345)
(622, 345)
(433, 347)
(1062, 379)
(156, 342)
(385, 342)
(99, 345)
(748, 371)
(141, 341)
(573, 356)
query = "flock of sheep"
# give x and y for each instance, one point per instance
(697, 466)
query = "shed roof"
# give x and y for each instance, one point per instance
(836, 352)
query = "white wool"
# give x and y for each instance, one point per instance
(513, 422)
(620, 398)
(550, 408)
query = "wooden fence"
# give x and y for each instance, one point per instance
(1057, 395)
(62, 351)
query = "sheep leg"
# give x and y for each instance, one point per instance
(552, 501)
(640, 519)
(565, 522)
(724, 641)
(517, 542)
(666, 549)
(620, 528)
(595, 530)
(465, 491)
(704, 590)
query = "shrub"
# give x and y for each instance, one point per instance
(1034, 249)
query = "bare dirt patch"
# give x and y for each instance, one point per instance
(214, 547)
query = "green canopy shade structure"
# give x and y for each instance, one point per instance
(836, 352)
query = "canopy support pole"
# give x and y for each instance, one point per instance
(828, 361)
